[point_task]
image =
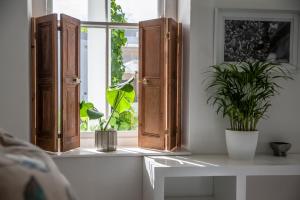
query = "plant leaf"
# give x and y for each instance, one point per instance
(94, 114)
(121, 96)
(84, 106)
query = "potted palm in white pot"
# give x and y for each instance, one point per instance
(242, 92)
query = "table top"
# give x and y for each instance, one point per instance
(211, 165)
(224, 161)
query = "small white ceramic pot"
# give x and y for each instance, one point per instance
(241, 144)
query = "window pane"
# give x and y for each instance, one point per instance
(93, 71)
(85, 10)
(124, 65)
(133, 11)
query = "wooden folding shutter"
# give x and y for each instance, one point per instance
(46, 82)
(152, 88)
(159, 84)
(70, 69)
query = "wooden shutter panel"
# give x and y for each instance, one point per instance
(46, 82)
(70, 69)
(179, 86)
(152, 91)
(33, 83)
(171, 55)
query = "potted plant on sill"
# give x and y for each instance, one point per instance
(120, 97)
(242, 92)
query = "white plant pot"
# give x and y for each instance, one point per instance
(241, 144)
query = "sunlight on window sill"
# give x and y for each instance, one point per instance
(121, 152)
(125, 139)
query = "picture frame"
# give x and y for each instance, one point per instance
(257, 35)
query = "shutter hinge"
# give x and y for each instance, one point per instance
(59, 28)
(168, 35)
(166, 131)
(59, 135)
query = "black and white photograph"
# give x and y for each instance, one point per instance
(252, 40)
(256, 35)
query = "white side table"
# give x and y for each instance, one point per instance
(157, 168)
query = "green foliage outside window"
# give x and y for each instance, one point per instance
(118, 41)
(125, 120)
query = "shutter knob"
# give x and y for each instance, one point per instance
(76, 80)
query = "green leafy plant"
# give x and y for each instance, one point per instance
(124, 121)
(242, 91)
(118, 41)
(120, 97)
(89, 112)
(84, 106)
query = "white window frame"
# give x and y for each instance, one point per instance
(162, 7)
(108, 26)
(123, 135)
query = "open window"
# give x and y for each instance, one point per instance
(109, 54)
(103, 49)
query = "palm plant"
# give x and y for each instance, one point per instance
(242, 91)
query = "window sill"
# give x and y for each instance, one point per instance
(121, 152)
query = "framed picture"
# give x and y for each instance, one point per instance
(262, 35)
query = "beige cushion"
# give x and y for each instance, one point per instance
(28, 173)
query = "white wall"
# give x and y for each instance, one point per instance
(167, 8)
(187, 187)
(205, 128)
(38, 8)
(171, 9)
(107, 178)
(14, 67)
(184, 17)
(273, 187)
